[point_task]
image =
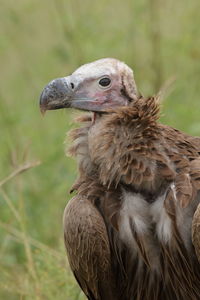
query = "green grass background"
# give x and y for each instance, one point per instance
(42, 40)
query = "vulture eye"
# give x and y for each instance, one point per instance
(104, 82)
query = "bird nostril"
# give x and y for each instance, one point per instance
(72, 85)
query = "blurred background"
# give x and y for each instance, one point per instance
(42, 40)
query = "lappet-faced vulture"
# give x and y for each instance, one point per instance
(132, 230)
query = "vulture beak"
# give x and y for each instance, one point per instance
(62, 93)
(56, 94)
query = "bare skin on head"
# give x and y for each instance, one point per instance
(132, 230)
(97, 86)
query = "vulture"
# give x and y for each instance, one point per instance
(132, 229)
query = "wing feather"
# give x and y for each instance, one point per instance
(88, 249)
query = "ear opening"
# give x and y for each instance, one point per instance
(129, 85)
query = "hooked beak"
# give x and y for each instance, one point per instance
(56, 94)
(62, 93)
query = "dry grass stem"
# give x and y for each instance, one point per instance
(20, 237)
(19, 170)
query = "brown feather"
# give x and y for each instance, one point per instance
(89, 253)
(127, 149)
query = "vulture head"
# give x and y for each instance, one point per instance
(97, 86)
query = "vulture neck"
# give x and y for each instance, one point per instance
(122, 145)
(142, 111)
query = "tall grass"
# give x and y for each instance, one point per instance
(41, 40)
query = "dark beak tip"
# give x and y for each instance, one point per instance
(42, 103)
(43, 97)
(54, 94)
(42, 110)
